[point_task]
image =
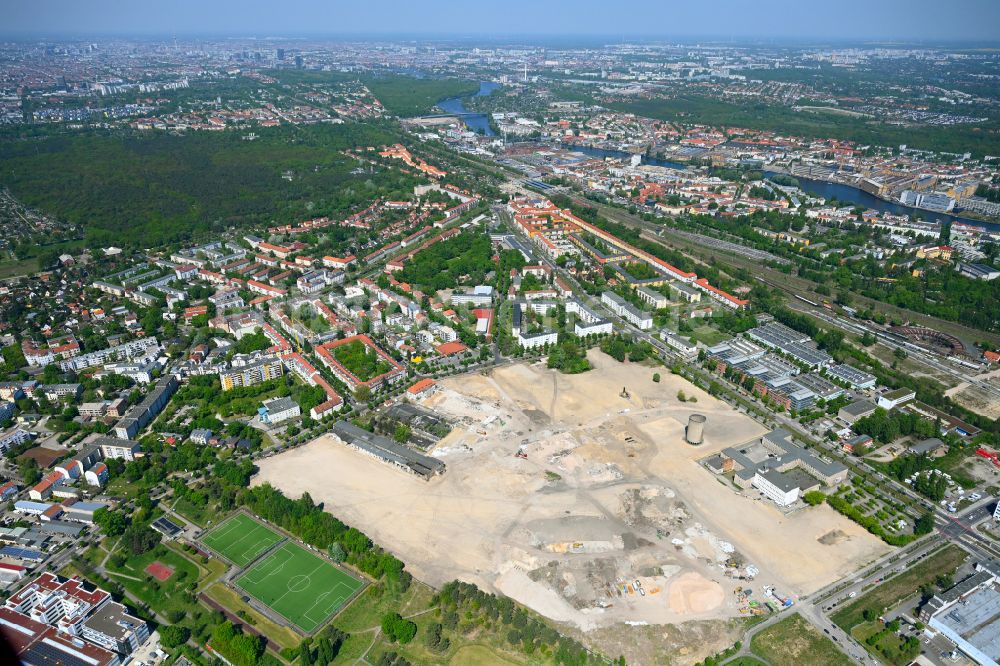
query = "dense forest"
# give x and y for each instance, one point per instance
(407, 96)
(400, 95)
(145, 190)
(941, 293)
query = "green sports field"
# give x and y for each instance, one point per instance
(302, 587)
(241, 539)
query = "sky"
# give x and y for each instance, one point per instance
(769, 20)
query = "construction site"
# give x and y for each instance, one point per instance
(579, 496)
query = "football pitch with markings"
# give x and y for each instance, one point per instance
(300, 586)
(241, 539)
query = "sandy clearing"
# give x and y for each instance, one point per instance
(786, 547)
(610, 493)
(690, 593)
(976, 399)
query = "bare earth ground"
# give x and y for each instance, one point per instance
(977, 399)
(624, 504)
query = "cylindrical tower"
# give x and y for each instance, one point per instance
(695, 431)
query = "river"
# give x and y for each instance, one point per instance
(818, 188)
(841, 192)
(477, 122)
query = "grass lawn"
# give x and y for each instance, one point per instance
(353, 648)
(241, 539)
(171, 594)
(479, 655)
(366, 611)
(482, 649)
(122, 487)
(10, 267)
(487, 648)
(174, 596)
(793, 642)
(283, 636)
(365, 614)
(209, 571)
(300, 586)
(708, 335)
(194, 514)
(906, 584)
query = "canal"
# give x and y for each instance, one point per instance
(477, 122)
(853, 195)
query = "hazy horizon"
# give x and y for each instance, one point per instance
(766, 21)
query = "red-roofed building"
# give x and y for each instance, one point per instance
(8, 490)
(726, 299)
(97, 475)
(565, 291)
(259, 301)
(60, 602)
(450, 348)
(215, 278)
(484, 321)
(55, 349)
(264, 289)
(276, 250)
(36, 643)
(400, 152)
(339, 262)
(194, 311)
(326, 355)
(303, 368)
(12, 572)
(43, 489)
(422, 387)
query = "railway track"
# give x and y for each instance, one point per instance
(788, 284)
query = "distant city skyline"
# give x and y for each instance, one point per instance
(726, 20)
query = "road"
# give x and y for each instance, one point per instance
(960, 529)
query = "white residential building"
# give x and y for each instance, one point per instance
(627, 311)
(480, 295)
(278, 410)
(13, 437)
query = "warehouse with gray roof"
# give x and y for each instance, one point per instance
(386, 450)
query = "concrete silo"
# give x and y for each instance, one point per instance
(695, 431)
